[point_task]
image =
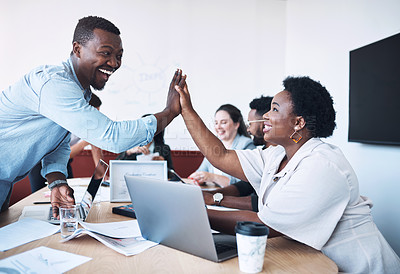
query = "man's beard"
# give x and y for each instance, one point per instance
(258, 141)
(95, 85)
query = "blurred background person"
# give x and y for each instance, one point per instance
(241, 194)
(231, 130)
(255, 121)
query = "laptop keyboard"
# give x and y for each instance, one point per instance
(221, 248)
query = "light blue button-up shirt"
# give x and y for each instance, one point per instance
(38, 113)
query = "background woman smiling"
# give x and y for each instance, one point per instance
(231, 130)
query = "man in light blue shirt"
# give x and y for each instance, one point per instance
(39, 111)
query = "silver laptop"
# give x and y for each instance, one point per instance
(45, 213)
(175, 215)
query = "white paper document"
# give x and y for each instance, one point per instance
(84, 181)
(123, 237)
(125, 246)
(42, 260)
(147, 157)
(25, 231)
(124, 229)
(221, 208)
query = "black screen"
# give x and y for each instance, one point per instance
(375, 92)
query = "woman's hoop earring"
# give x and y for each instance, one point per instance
(294, 139)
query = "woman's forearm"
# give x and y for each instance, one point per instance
(211, 147)
(225, 221)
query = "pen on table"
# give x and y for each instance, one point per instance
(41, 203)
(217, 185)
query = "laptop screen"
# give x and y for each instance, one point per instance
(95, 182)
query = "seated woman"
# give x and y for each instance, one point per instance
(232, 131)
(307, 189)
(158, 145)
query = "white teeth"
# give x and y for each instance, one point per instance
(106, 71)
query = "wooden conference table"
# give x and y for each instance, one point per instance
(281, 256)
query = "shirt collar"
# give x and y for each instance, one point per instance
(303, 151)
(87, 92)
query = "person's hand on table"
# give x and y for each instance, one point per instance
(158, 158)
(137, 150)
(201, 177)
(61, 195)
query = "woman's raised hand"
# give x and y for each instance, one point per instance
(186, 103)
(172, 98)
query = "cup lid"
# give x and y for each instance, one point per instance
(251, 229)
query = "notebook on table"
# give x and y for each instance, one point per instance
(45, 212)
(175, 215)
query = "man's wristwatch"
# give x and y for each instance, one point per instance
(56, 183)
(218, 198)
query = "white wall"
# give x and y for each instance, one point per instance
(319, 36)
(232, 51)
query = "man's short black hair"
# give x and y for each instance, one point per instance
(95, 101)
(312, 101)
(84, 28)
(261, 105)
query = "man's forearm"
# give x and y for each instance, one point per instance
(163, 119)
(77, 148)
(97, 154)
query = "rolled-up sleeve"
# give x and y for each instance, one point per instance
(252, 164)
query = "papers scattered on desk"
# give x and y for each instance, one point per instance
(147, 157)
(42, 260)
(221, 208)
(24, 231)
(78, 181)
(123, 237)
(124, 229)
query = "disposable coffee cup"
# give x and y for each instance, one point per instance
(251, 239)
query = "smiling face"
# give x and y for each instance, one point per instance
(98, 59)
(281, 121)
(224, 126)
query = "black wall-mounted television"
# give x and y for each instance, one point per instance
(374, 110)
